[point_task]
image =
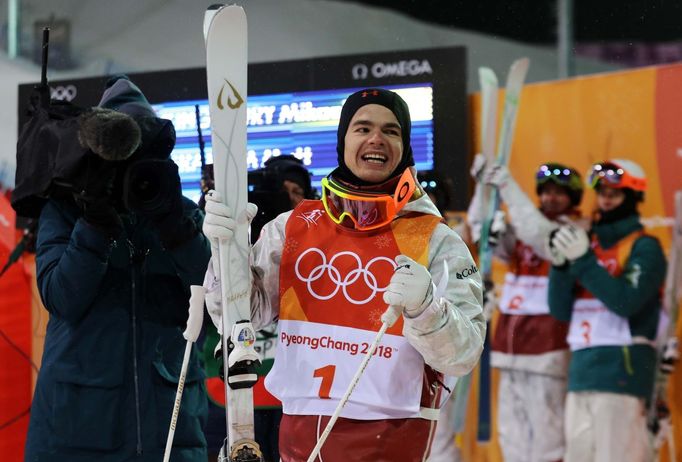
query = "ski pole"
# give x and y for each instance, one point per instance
(389, 318)
(194, 322)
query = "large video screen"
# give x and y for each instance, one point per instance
(293, 108)
(302, 124)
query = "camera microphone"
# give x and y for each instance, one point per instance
(112, 135)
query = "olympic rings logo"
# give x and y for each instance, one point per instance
(63, 93)
(334, 274)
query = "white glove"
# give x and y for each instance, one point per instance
(219, 222)
(477, 167)
(497, 228)
(671, 354)
(571, 241)
(490, 300)
(557, 258)
(496, 175)
(410, 288)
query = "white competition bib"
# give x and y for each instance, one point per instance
(524, 294)
(592, 324)
(322, 359)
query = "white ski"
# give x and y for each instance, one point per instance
(489, 90)
(226, 69)
(515, 79)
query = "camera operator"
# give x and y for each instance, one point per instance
(276, 188)
(115, 259)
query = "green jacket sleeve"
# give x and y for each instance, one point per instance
(639, 282)
(561, 293)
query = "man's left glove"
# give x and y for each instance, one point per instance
(410, 287)
(151, 188)
(571, 241)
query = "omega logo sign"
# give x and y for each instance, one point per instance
(381, 70)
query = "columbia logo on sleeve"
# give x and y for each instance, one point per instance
(465, 273)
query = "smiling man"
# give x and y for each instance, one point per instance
(328, 270)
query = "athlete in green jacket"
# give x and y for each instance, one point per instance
(607, 284)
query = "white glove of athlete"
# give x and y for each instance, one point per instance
(670, 356)
(497, 228)
(555, 257)
(490, 300)
(496, 175)
(410, 287)
(477, 167)
(571, 241)
(219, 222)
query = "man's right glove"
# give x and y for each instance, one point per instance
(95, 199)
(219, 224)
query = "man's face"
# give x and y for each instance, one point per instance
(373, 143)
(609, 198)
(295, 192)
(554, 200)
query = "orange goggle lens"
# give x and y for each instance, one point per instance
(366, 211)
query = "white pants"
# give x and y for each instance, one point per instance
(605, 427)
(530, 416)
(443, 447)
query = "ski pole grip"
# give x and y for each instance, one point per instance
(391, 315)
(196, 313)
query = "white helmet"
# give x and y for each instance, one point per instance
(631, 167)
(618, 173)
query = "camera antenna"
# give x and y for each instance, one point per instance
(43, 88)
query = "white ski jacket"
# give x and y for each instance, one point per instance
(449, 334)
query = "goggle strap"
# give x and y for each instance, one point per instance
(405, 190)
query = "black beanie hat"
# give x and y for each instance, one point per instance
(390, 100)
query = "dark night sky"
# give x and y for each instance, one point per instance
(535, 21)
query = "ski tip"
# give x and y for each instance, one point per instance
(487, 76)
(521, 63)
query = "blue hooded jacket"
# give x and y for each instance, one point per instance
(114, 345)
